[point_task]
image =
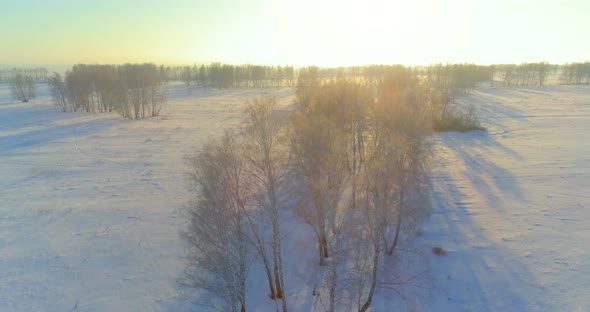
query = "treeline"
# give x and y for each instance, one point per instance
(133, 90)
(525, 74)
(218, 75)
(576, 73)
(349, 161)
(247, 75)
(35, 74)
(453, 80)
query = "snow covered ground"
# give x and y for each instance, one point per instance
(89, 204)
(511, 205)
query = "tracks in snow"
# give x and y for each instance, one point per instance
(85, 154)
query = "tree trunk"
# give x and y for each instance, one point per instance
(398, 226)
(262, 254)
(369, 300)
(279, 293)
(270, 282)
(321, 252)
(322, 242)
(281, 278)
(333, 286)
(354, 152)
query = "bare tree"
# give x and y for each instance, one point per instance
(493, 70)
(267, 157)
(318, 147)
(187, 75)
(542, 71)
(23, 87)
(216, 234)
(59, 91)
(203, 76)
(289, 75)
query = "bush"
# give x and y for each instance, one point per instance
(457, 120)
(23, 88)
(438, 251)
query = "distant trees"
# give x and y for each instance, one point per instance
(202, 75)
(453, 80)
(493, 72)
(223, 76)
(575, 73)
(59, 91)
(187, 75)
(543, 69)
(145, 96)
(443, 84)
(38, 74)
(22, 87)
(133, 90)
(525, 74)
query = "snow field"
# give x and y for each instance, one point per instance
(511, 205)
(90, 206)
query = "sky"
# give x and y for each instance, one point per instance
(295, 32)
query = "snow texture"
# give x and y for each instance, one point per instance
(511, 205)
(90, 206)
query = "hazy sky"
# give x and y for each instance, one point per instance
(298, 32)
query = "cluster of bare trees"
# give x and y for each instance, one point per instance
(439, 84)
(453, 80)
(218, 75)
(133, 90)
(37, 75)
(357, 157)
(450, 76)
(525, 74)
(575, 73)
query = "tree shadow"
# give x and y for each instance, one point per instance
(23, 127)
(490, 179)
(492, 103)
(479, 272)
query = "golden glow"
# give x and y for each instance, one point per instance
(304, 32)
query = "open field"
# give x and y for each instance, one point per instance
(511, 205)
(90, 204)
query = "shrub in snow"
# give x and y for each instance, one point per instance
(438, 251)
(23, 88)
